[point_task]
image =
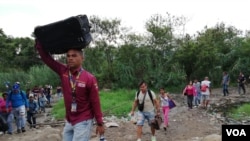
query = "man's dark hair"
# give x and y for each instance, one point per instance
(142, 82)
(80, 51)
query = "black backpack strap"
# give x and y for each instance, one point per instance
(149, 93)
(138, 95)
(151, 97)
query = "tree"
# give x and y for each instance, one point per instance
(106, 36)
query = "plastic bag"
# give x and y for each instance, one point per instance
(133, 118)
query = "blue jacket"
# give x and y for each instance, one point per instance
(33, 107)
(17, 100)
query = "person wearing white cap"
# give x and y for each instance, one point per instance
(31, 113)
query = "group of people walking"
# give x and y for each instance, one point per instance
(82, 102)
(18, 106)
(14, 105)
(198, 93)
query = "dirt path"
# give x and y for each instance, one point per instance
(185, 125)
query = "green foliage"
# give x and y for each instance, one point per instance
(12, 77)
(118, 103)
(37, 75)
(240, 113)
(58, 110)
(163, 57)
(42, 75)
(16, 53)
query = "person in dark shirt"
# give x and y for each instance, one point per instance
(36, 91)
(59, 91)
(47, 91)
(241, 83)
(81, 95)
(225, 83)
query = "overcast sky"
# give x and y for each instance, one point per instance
(19, 17)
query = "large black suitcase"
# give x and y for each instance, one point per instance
(60, 36)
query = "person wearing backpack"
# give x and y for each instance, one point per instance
(145, 101)
(205, 92)
(19, 106)
(33, 110)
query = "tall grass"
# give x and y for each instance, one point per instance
(58, 110)
(37, 75)
(241, 112)
(11, 77)
(117, 103)
(42, 75)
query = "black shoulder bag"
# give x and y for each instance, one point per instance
(141, 105)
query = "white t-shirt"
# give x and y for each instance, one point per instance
(206, 82)
(164, 101)
(148, 105)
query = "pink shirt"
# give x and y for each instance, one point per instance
(3, 106)
(87, 94)
(190, 90)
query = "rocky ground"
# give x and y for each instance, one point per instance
(185, 125)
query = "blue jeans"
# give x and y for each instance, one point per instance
(241, 86)
(197, 99)
(9, 118)
(20, 113)
(59, 95)
(225, 89)
(78, 132)
(142, 116)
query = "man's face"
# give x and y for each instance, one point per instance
(74, 58)
(143, 87)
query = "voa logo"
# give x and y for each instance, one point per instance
(236, 132)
